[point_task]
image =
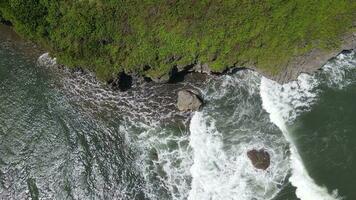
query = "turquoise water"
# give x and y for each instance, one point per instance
(64, 135)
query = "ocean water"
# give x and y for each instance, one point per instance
(64, 135)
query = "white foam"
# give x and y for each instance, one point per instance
(171, 165)
(338, 72)
(284, 103)
(231, 124)
(216, 173)
(139, 113)
(221, 174)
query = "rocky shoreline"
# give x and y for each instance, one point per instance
(189, 100)
(313, 60)
(308, 63)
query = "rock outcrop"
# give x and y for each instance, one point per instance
(188, 101)
(45, 60)
(260, 158)
(311, 61)
(162, 79)
(201, 68)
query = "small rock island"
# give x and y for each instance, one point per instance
(260, 158)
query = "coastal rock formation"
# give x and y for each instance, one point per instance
(311, 61)
(161, 79)
(260, 158)
(188, 101)
(201, 68)
(45, 60)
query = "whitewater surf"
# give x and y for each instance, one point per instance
(65, 135)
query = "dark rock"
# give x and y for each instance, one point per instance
(5, 22)
(260, 158)
(188, 101)
(179, 74)
(123, 82)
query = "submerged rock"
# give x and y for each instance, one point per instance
(260, 158)
(188, 101)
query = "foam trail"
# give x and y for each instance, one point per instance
(284, 103)
(144, 121)
(207, 158)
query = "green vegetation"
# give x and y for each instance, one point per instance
(152, 36)
(1, 17)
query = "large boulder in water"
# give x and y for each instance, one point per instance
(188, 101)
(260, 158)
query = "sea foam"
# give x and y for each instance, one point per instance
(231, 124)
(284, 103)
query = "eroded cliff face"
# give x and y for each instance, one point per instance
(312, 61)
(307, 63)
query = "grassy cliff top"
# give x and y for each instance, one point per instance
(150, 37)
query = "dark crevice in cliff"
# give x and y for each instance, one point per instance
(179, 75)
(4, 21)
(123, 82)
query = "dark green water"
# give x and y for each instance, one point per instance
(47, 139)
(63, 135)
(316, 114)
(326, 138)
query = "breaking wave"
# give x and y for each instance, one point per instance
(232, 123)
(286, 102)
(136, 145)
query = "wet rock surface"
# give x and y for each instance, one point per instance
(188, 101)
(260, 158)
